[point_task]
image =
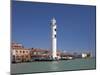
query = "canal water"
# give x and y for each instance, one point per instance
(49, 66)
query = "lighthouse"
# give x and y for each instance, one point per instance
(54, 38)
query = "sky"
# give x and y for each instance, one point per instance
(75, 25)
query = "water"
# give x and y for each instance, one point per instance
(62, 65)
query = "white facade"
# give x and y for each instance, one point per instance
(54, 38)
(84, 55)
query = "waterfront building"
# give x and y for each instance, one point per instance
(39, 54)
(86, 55)
(66, 56)
(19, 53)
(42, 54)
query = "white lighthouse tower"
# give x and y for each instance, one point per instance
(54, 38)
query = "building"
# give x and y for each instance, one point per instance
(86, 55)
(19, 53)
(40, 54)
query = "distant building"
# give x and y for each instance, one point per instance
(19, 53)
(66, 56)
(39, 54)
(86, 55)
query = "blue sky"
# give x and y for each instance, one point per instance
(75, 25)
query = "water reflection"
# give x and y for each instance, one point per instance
(54, 65)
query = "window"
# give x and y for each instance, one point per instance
(55, 29)
(34, 53)
(23, 51)
(26, 51)
(55, 36)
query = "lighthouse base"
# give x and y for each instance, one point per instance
(55, 58)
